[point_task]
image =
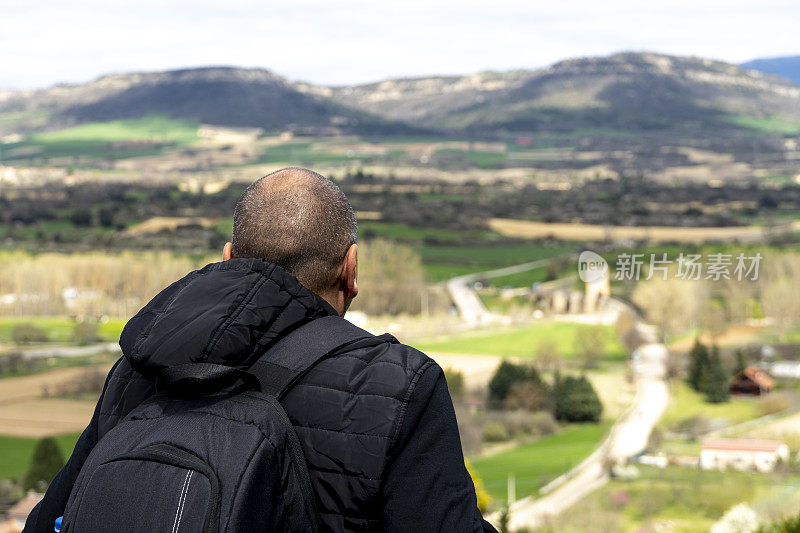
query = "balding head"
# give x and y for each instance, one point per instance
(299, 220)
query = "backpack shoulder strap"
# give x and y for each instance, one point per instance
(281, 366)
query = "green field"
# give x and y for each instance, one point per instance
(524, 341)
(770, 124)
(96, 139)
(16, 452)
(57, 328)
(300, 153)
(688, 500)
(536, 464)
(399, 231)
(686, 403)
(448, 259)
(444, 262)
(522, 279)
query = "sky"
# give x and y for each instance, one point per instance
(337, 42)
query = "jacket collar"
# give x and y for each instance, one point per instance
(225, 313)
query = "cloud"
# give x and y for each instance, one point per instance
(353, 41)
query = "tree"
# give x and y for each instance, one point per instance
(392, 276)
(698, 363)
(547, 356)
(45, 464)
(575, 400)
(455, 382)
(741, 361)
(506, 375)
(26, 333)
(529, 395)
(588, 344)
(86, 331)
(625, 327)
(673, 304)
(715, 379)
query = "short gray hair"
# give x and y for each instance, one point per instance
(299, 220)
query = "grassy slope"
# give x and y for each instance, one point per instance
(686, 403)
(16, 452)
(58, 328)
(443, 262)
(535, 464)
(524, 341)
(95, 139)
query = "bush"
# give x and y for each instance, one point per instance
(787, 525)
(542, 424)
(484, 500)
(88, 383)
(575, 400)
(523, 424)
(528, 396)
(10, 493)
(495, 431)
(26, 333)
(506, 375)
(45, 464)
(775, 402)
(455, 382)
(15, 362)
(86, 331)
(693, 427)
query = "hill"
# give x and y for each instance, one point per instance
(787, 67)
(626, 93)
(223, 96)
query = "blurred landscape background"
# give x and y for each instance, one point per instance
(636, 403)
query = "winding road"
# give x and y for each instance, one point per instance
(628, 436)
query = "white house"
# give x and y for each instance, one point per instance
(742, 454)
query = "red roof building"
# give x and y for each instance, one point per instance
(753, 381)
(742, 454)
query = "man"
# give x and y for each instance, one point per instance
(376, 424)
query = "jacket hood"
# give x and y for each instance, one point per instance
(225, 313)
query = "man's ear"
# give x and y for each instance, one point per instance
(227, 251)
(350, 273)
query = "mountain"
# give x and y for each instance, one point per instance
(628, 92)
(224, 96)
(622, 95)
(787, 67)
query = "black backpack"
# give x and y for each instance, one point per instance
(213, 450)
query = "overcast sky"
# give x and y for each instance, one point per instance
(350, 41)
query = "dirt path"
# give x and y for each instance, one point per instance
(628, 436)
(25, 413)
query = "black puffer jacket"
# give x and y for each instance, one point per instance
(376, 424)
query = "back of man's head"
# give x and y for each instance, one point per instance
(299, 220)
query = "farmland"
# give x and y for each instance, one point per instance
(538, 463)
(523, 342)
(678, 499)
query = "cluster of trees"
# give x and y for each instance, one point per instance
(707, 374)
(390, 275)
(676, 305)
(520, 387)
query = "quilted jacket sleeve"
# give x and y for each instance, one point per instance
(427, 486)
